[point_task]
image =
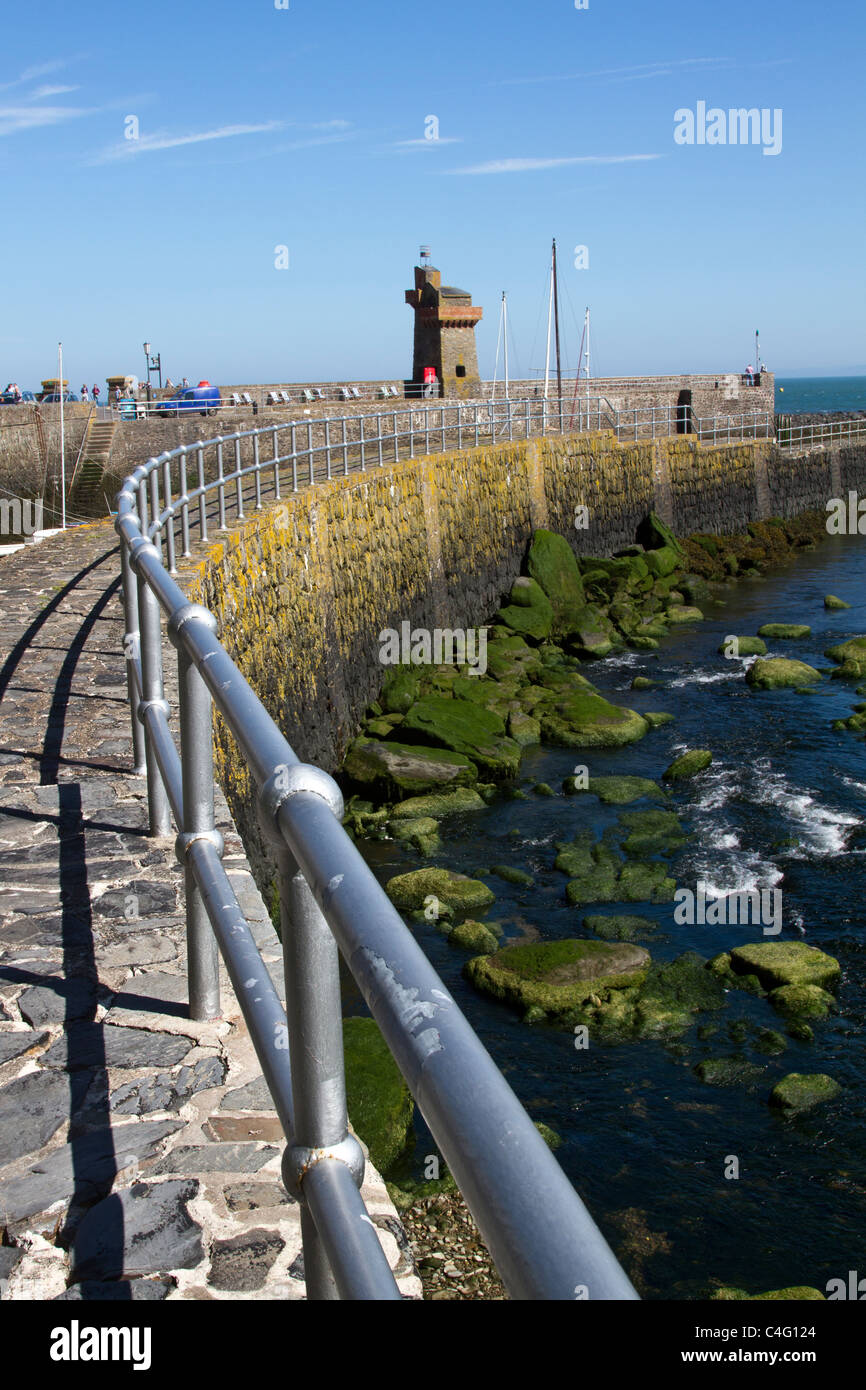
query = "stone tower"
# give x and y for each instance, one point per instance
(445, 320)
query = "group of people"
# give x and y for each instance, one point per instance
(90, 395)
(13, 390)
(751, 375)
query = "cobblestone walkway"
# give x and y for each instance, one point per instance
(139, 1152)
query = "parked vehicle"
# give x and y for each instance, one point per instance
(17, 398)
(203, 398)
(53, 398)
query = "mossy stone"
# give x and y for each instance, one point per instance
(552, 564)
(524, 729)
(833, 603)
(583, 719)
(684, 613)
(688, 764)
(653, 533)
(474, 937)
(406, 767)
(439, 805)
(656, 718)
(619, 791)
(800, 1091)
(543, 789)
(643, 683)
(745, 646)
(652, 832)
(851, 656)
(379, 1101)
(422, 832)
(557, 976)
(399, 690)
(734, 1070)
(778, 963)
(779, 672)
(620, 928)
(458, 892)
(550, 1136)
(645, 883)
(466, 729)
(535, 622)
(801, 1001)
(796, 1291)
(791, 631)
(509, 874)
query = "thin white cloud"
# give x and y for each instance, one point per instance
(149, 144)
(42, 92)
(43, 69)
(636, 71)
(17, 118)
(424, 143)
(520, 166)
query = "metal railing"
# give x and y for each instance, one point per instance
(542, 1239)
(792, 435)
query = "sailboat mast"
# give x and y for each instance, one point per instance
(549, 326)
(505, 336)
(586, 332)
(556, 325)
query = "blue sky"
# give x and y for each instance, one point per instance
(260, 127)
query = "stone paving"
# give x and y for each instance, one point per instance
(139, 1150)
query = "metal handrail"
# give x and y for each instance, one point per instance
(542, 1238)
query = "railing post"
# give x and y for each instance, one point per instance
(152, 693)
(222, 486)
(277, 460)
(132, 652)
(184, 508)
(202, 500)
(239, 482)
(345, 450)
(361, 441)
(312, 465)
(328, 444)
(257, 475)
(196, 756)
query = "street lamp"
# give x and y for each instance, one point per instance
(147, 365)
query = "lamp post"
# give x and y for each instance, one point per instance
(153, 364)
(147, 365)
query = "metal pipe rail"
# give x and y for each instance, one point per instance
(542, 1238)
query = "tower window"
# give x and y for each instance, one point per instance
(460, 370)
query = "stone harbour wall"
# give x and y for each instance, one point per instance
(303, 589)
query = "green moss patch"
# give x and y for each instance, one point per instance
(379, 1101)
(801, 1091)
(461, 894)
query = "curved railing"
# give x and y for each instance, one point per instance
(542, 1239)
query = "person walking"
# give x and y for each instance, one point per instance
(750, 371)
(95, 394)
(85, 394)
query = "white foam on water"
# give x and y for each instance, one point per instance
(823, 830)
(704, 678)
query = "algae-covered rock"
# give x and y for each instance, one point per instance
(543, 789)
(583, 719)
(620, 928)
(643, 683)
(557, 976)
(399, 690)
(406, 767)
(655, 718)
(653, 533)
(796, 1291)
(551, 563)
(771, 1043)
(619, 791)
(833, 603)
(801, 1001)
(532, 621)
(525, 730)
(734, 1070)
(688, 764)
(422, 832)
(800, 1091)
(467, 729)
(439, 805)
(683, 613)
(379, 1102)
(778, 672)
(778, 963)
(475, 937)
(851, 656)
(511, 657)
(743, 646)
(662, 562)
(652, 832)
(671, 995)
(645, 883)
(550, 1136)
(458, 892)
(790, 631)
(509, 874)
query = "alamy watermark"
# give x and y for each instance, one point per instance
(438, 646)
(754, 907)
(846, 517)
(20, 516)
(736, 126)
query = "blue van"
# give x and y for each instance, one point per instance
(203, 398)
